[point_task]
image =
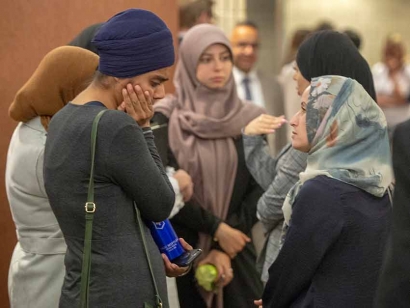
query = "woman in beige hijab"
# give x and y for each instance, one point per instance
(37, 266)
(205, 119)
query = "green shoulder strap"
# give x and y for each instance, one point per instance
(158, 300)
(90, 208)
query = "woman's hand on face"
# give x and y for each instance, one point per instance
(186, 187)
(137, 104)
(222, 263)
(173, 270)
(264, 124)
(231, 240)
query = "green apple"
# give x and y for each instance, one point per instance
(206, 275)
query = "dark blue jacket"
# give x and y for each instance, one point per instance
(333, 249)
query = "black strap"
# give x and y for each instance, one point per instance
(90, 209)
(158, 300)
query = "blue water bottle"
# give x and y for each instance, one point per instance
(166, 239)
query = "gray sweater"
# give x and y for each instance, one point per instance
(127, 169)
(276, 175)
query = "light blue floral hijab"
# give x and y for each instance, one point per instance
(348, 136)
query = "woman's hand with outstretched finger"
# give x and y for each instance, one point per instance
(264, 124)
(173, 270)
(258, 303)
(138, 104)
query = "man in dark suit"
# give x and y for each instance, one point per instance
(394, 282)
(259, 88)
(262, 89)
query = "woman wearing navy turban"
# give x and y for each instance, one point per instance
(136, 51)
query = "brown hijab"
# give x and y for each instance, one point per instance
(203, 123)
(62, 74)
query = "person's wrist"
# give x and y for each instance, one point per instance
(186, 272)
(245, 131)
(144, 124)
(217, 232)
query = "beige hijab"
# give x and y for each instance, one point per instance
(202, 125)
(62, 74)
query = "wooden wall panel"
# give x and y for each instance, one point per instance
(28, 30)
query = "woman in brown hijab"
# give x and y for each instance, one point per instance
(37, 266)
(205, 118)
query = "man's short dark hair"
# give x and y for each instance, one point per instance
(354, 36)
(324, 25)
(190, 12)
(247, 23)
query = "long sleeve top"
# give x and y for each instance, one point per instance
(333, 249)
(276, 176)
(127, 170)
(192, 218)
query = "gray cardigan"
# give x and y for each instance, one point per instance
(276, 176)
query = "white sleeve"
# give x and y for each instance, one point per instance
(179, 201)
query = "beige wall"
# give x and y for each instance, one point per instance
(28, 30)
(374, 19)
(229, 12)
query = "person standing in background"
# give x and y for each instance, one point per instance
(37, 270)
(193, 13)
(394, 281)
(252, 85)
(205, 118)
(324, 25)
(354, 36)
(392, 82)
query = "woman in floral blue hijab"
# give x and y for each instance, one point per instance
(337, 216)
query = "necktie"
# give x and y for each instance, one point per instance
(248, 94)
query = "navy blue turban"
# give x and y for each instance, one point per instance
(132, 43)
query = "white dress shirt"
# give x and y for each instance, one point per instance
(254, 86)
(384, 86)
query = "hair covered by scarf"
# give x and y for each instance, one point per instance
(333, 53)
(133, 42)
(348, 136)
(202, 125)
(61, 75)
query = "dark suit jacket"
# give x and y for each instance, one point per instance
(394, 282)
